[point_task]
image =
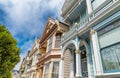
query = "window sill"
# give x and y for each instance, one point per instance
(114, 74)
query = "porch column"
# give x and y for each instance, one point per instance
(61, 68)
(96, 51)
(89, 6)
(78, 64)
(50, 69)
(37, 73)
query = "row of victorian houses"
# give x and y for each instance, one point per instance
(85, 45)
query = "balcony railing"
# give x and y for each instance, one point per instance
(82, 23)
(69, 33)
(107, 4)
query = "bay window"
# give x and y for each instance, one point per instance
(110, 49)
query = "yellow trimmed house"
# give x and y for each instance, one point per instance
(50, 48)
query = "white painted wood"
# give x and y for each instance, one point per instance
(78, 64)
(89, 6)
(96, 53)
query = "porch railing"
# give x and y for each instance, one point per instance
(82, 23)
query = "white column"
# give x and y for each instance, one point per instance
(96, 53)
(61, 68)
(50, 69)
(78, 64)
(89, 6)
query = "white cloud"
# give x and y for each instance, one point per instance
(27, 18)
(27, 15)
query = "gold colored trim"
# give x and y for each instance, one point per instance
(62, 58)
(92, 31)
(77, 51)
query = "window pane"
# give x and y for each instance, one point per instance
(110, 50)
(50, 43)
(46, 71)
(110, 38)
(110, 57)
(55, 70)
(84, 67)
(58, 41)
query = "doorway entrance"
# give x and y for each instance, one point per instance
(84, 67)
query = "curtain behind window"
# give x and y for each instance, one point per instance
(55, 71)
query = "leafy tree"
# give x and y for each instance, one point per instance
(9, 53)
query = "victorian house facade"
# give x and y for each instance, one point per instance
(28, 67)
(24, 66)
(34, 55)
(50, 41)
(91, 47)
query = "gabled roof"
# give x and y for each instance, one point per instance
(47, 30)
(51, 27)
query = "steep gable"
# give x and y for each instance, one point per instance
(49, 28)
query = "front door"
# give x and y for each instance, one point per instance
(84, 62)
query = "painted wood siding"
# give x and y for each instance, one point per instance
(67, 62)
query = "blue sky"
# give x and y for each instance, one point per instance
(26, 19)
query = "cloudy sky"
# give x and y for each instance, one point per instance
(26, 19)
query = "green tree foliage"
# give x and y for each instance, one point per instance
(9, 53)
